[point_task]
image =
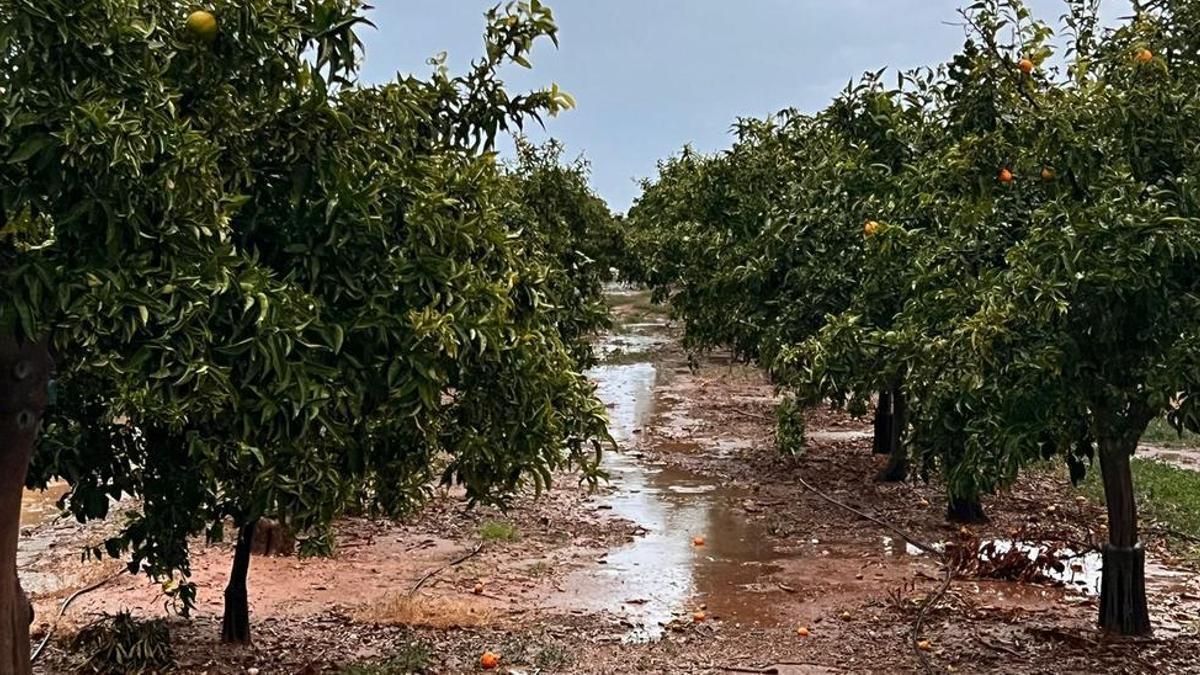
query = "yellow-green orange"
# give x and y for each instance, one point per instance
(203, 25)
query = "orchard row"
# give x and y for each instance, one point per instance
(247, 286)
(1002, 252)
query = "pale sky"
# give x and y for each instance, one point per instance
(653, 75)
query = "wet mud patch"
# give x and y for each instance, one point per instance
(611, 581)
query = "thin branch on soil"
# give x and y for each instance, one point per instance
(747, 413)
(453, 563)
(769, 670)
(941, 555)
(63, 610)
(996, 646)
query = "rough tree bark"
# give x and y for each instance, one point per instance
(1123, 577)
(272, 538)
(896, 470)
(235, 626)
(967, 511)
(25, 368)
(883, 424)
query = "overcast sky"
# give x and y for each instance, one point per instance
(652, 75)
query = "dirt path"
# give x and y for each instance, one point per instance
(610, 582)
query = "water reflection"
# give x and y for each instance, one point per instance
(663, 575)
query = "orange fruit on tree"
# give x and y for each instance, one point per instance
(489, 660)
(1006, 176)
(870, 228)
(699, 617)
(1026, 66)
(203, 25)
(1047, 174)
(1144, 56)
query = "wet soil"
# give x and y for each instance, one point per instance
(702, 515)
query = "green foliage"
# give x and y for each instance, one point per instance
(120, 645)
(1019, 319)
(1160, 432)
(1168, 498)
(411, 658)
(568, 236)
(499, 530)
(789, 434)
(276, 292)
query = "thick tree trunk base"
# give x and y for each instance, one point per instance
(235, 626)
(896, 470)
(883, 426)
(966, 512)
(25, 369)
(272, 539)
(1123, 591)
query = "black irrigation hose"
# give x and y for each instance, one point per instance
(63, 610)
(941, 555)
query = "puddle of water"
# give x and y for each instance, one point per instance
(1080, 573)
(838, 436)
(662, 575)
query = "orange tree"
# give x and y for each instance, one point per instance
(115, 237)
(563, 222)
(386, 330)
(695, 227)
(759, 246)
(832, 294)
(1082, 326)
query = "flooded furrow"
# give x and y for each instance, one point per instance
(697, 549)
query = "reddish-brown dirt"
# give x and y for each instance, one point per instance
(608, 582)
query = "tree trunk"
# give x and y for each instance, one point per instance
(896, 470)
(235, 627)
(883, 424)
(1123, 577)
(25, 369)
(965, 510)
(272, 538)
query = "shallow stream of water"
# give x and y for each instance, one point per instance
(663, 575)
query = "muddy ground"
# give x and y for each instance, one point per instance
(611, 581)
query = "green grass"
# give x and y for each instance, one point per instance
(553, 657)
(1168, 497)
(499, 530)
(412, 659)
(1161, 433)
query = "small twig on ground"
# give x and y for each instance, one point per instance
(757, 416)
(63, 610)
(941, 555)
(998, 646)
(452, 563)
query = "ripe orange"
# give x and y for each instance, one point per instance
(1144, 56)
(802, 631)
(489, 660)
(1026, 66)
(697, 541)
(1047, 174)
(203, 25)
(1006, 176)
(699, 617)
(925, 645)
(870, 228)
